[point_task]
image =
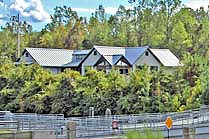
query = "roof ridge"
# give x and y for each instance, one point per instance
(114, 47)
(138, 47)
(159, 49)
(114, 55)
(109, 47)
(49, 49)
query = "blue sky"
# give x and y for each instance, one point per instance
(37, 12)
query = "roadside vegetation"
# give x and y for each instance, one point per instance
(145, 134)
(34, 89)
(161, 24)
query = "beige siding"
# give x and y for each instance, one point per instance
(170, 70)
(27, 59)
(149, 60)
(53, 70)
(121, 63)
(90, 61)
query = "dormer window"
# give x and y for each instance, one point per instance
(79, 57)
(147, 53)
(95, 53)
(26, 54)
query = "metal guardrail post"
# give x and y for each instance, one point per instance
(18, 125)
(189, 133)
(71, 130)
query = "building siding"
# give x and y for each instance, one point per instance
(27, 59)
(90, 61)
(54, 70)
(149, 60)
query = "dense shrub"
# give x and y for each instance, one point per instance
(34, 89)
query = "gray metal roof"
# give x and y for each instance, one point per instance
(166, 57)
(73, 64)
(109, 50)
(111, 53)
(55, 57)
(133, 53)
(50, 57)
(64, 57)
(81, 52)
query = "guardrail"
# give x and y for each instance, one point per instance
(102, 125)
(33, 122)
(9, 125)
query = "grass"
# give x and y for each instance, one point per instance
(5, 131)
(145, 134)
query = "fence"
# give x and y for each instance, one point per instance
(33, 122)
(100, 127)
(104, 126)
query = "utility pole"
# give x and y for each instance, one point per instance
(18, 36)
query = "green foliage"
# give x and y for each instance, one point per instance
(34, 89)
(145, 134)
(159, 24)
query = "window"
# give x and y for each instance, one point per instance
(154, 68)
(147, 53)
(79, 57)
(26, 54)
(62, 69)
(140, 67)
(95, 52)
(123, 71)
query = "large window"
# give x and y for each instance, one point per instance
(123, 71)
(154, 68)
(140, 67)
(62, 69)
(79, 57)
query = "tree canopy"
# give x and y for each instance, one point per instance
(154, 23)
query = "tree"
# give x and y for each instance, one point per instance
(66, 30)
(180, 38)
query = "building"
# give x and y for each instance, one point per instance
(105, 58)
(126, 59)
(56, 60)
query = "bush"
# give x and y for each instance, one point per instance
(145, 134)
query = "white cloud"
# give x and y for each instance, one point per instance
(1, 22)
(108, 10)
(111, 10)
(196, 4)
(1, 16)
(82, 10)
(1, 4)
(1, 19)
(32, 9)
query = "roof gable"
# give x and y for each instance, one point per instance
(102, 61)
(165, 57)
(133, 53)
(112, 54)
(112, 59)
